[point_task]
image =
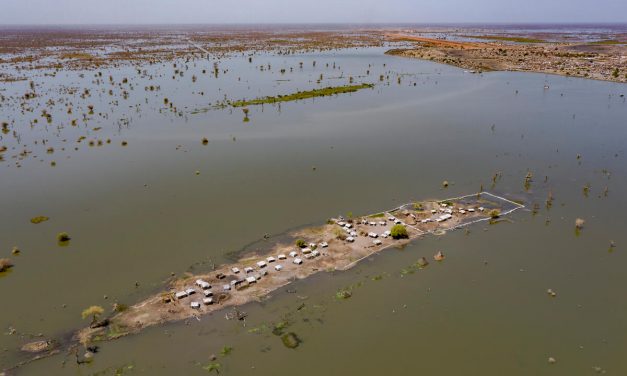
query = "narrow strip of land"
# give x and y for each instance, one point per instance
(334, 90)
(338, 245)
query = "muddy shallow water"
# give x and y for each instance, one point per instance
(138, 213)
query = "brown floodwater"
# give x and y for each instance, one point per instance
(140, 212)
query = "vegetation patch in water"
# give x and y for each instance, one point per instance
(290, 340)
(39, 219)
(302, 95)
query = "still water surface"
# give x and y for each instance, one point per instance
(140, 212)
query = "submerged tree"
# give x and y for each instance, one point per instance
(93, 311)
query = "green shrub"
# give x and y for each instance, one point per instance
(399, 232)
(300, 243)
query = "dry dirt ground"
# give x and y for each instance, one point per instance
(588, 60)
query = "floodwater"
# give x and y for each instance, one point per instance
(140, 212)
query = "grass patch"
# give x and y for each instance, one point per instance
(302, 95)
(379, 215)
(116, 331)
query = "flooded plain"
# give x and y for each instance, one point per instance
(156, 200)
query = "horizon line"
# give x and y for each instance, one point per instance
(356, 23)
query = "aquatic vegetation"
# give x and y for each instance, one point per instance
(302, 95)
(279, 327)
(39, 219)
(63, 237)
(226, 350)
(291, 340)
(422, 262)
(212, 367)
(343, 294)
(399, 232)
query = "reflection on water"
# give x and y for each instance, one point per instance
(138, 213)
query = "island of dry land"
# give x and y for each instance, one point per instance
(337, 245)
(601, 60)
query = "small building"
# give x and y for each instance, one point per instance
(205, 285)
(278, 267)
(373, 234)
(324, 244)
(180, 295)
(377, 242)
(297, 261)
(235, 270)
(306, 250)
(383, 223)
(315, 253)
(281, 257)
(194, 305)
(226, 287)
(350, 239)
(261, 264)
(207, 301)
(372, 223)
(270, 259)
(190, 291)
(251, 279)
(208, 293)
(248, 269)
(293, 254)
(398, 221)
